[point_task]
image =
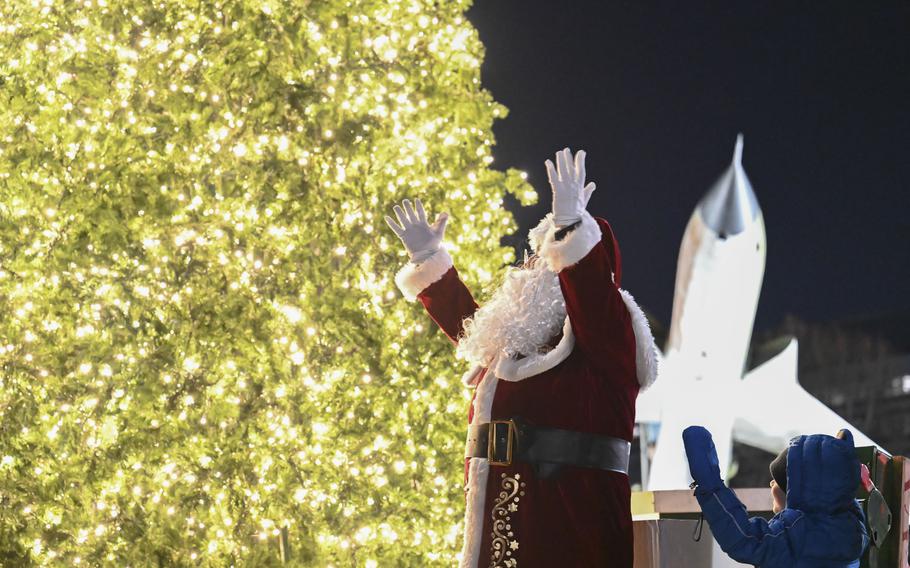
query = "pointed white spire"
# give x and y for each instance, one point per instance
(730, 206)
(738, 150)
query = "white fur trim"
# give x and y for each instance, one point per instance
(519, 369)
(476, 493)
(478, 473)
(470, 378)
(538, 233)
(574, 247)
(413, 279)
(646, 363)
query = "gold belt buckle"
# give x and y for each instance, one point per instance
(491, 442)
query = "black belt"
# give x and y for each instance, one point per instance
(550, 448)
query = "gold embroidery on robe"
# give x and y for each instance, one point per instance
(504, 541)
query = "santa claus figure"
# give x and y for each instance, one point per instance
(560, 353)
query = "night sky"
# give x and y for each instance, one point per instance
(656, 92)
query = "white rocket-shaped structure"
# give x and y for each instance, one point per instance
(703, 377)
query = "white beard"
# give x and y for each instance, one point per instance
(521, 318)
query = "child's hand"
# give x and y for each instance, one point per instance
(702, 456)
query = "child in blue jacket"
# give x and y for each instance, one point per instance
(818, 522)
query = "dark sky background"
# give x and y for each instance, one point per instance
(656, 92)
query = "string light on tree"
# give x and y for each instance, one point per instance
(203, 349)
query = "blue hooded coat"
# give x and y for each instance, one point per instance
(822, 526)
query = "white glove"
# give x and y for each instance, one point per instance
(570, 194)
(420, 238)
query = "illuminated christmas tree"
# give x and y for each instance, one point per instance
(205, 360)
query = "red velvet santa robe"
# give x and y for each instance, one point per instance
(588, 383)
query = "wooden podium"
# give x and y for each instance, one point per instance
(665, 525)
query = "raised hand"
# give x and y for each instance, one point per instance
(702, 456)
(570, 194)
(420, 238)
